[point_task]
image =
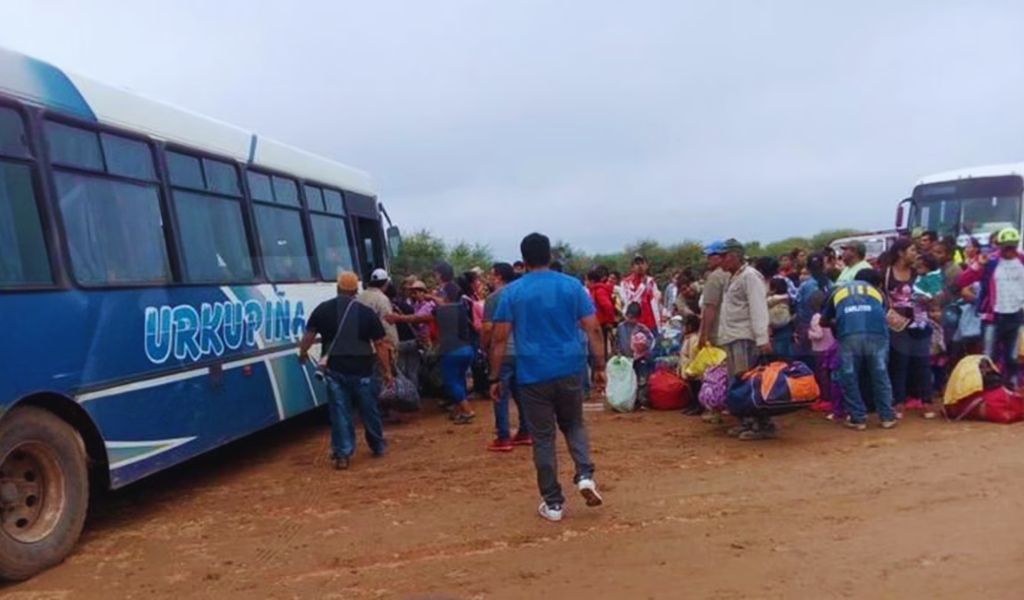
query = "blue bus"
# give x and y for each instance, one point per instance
(156, 270)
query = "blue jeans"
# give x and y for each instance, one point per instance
(868, 353)
(345, 393)
(1001, 343)
(454, 365)
(501, 410)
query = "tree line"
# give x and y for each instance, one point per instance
(421, 250)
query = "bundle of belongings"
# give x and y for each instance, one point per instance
(975, 391)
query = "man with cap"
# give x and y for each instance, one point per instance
(855, 258)
(374, 297)
(711, 298)
(1000, 299)
(743, 327)
(350, 335)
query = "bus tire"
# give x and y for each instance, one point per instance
(44, 491)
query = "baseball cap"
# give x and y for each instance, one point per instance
(348, 281)
(733, 245)
(715, 247)
(379, 275)
(859, 247)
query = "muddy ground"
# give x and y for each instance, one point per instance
(930, 510)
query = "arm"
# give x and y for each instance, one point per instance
(486, 333)
(596, 341)
(707, 317)
(815, 332)
(383, 350)
(758, 310)
(499, 342)
(305, 344)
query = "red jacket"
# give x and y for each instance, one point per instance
(643, 291)
(602, 295)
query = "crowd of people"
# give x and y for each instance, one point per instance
(881, 334)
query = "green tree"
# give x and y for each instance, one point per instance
(464, 256)
(419, 253)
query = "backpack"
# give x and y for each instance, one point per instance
(773, 389)
(779, 315)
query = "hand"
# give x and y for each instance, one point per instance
(600, 378)
(392, 318)
(495, 390)
(765, 349)
(303, 358)
(388, 378)
(983, 258)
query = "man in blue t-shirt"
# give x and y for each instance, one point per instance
(856, 312)
(545, 311)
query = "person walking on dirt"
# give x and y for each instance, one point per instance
(546, 310)
(351, 334)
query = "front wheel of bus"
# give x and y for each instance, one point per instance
(44, 491)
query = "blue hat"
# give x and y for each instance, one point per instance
(715, 247)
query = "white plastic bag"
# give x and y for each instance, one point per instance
(622, 384)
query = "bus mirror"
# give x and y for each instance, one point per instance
(394, 240)
(902, 218)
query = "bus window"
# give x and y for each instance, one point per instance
(314, 198)
(23, 257)
(129, 158)
(285, 191)
(113, 225)
(282, 244)
(330, 235)
(13, 141)
(114, 230)
(214, 245)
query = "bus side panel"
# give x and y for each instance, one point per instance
(148, 430)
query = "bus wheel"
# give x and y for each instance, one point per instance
(44, 491)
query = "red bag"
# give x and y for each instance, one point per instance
(666, 391)
(998, 405)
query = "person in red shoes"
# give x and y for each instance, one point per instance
(641, 288)
(503, 274)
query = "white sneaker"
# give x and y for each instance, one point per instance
(588, 489)
(551, 513)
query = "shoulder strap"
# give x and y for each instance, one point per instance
(341, 323)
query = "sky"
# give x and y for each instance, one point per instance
(597, 122)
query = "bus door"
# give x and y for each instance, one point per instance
(371, 245)
(367, 233)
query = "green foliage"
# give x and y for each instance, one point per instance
(422, 250)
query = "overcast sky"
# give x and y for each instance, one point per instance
(595, 121)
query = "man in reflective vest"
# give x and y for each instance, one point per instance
(856, 312)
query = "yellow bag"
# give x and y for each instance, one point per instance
(707, 357)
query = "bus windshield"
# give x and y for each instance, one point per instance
(974, 207)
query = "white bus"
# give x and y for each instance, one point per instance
(156, 271)
(974, 202)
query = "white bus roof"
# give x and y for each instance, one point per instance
(42, 84)
(975, 172)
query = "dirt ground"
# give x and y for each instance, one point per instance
(929, 510)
